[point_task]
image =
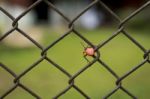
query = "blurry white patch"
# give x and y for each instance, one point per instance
(26, 23)
(91, 20)
(15, 10)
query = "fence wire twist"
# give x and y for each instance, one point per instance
(96, 58)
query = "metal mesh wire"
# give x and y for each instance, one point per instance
(96, 58)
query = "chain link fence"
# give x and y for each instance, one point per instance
(96, 57)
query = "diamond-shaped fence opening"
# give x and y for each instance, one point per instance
(73, 89)
(124, 61)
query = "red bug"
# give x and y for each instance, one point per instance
(88, 51)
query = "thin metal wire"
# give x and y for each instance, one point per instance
(72, 78)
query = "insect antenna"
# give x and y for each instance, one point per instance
(82, 44)
(84, 55)
(86, 58)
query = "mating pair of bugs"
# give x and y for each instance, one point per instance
(88, 51)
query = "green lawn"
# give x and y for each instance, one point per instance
(45, 80)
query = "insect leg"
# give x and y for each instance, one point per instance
(86, 58)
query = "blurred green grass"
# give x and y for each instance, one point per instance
(45, 80)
